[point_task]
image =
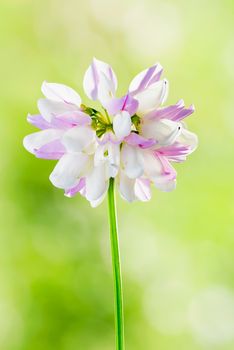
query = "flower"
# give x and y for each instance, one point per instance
(160, 138)
(133, 139)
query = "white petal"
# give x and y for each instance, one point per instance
(78, 138)
(96, 183)
(94, 75)
(113, 159)
(164, 131)
(60, 93)
(126, 187)
(68, 170)
(100, 154)
(38, 139)
(142, 189)
(152, 97)
(188, 138)
(122, 124)
(97, 202)
(106, 89)
(108, 153)
(50, 108)
(132, 161)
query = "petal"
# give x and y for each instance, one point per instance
(132, 161)
(38, 139)
(175, 112)
(78, 138)
(71, 192)
(68, 170)
(185, 112)
(126, 103)
(137, 140)
(106, 90)
(115, 105)
(152, 97)
(164, 131)
(60, 93)
(97, 202)
(113, 159)
(38, 121)
(99, 73)
(142, 189)
(188, 139)
(50, 109)
(176, 152)
(52, 150)
(126, 187)
(108, 137)
(146, 78)
(96, 183)
(64, 121)
(108, 153)
(130, 104)
(159, 170)
(165, 112)
(70, 119)
(122, 124)
(100, 154)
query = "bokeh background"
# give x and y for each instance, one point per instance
(177, 251)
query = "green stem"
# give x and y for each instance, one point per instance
(119, 322)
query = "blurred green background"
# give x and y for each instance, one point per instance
(177, 250)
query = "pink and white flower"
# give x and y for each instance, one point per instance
(134, 138)
(158, 139)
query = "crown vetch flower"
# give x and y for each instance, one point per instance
(133, 138)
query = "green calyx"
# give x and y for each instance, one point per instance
(101, 122)
(136, 120)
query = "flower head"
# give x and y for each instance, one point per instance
(133, 138)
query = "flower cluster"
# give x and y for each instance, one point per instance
(133, 138)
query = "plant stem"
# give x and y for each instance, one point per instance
(119, 319)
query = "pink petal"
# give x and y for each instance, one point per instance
(125, 103)
(130, 104)
(108, 137)
(176, 152)
(136, 140)
(38, 121)
(70, 119)
(167, 170)
(175, 112)
(183, 113)
(145, 78)
(63, 121)
(52, 150)
(33, 142)
(165, 112)
(159, 170)
(71, 192)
